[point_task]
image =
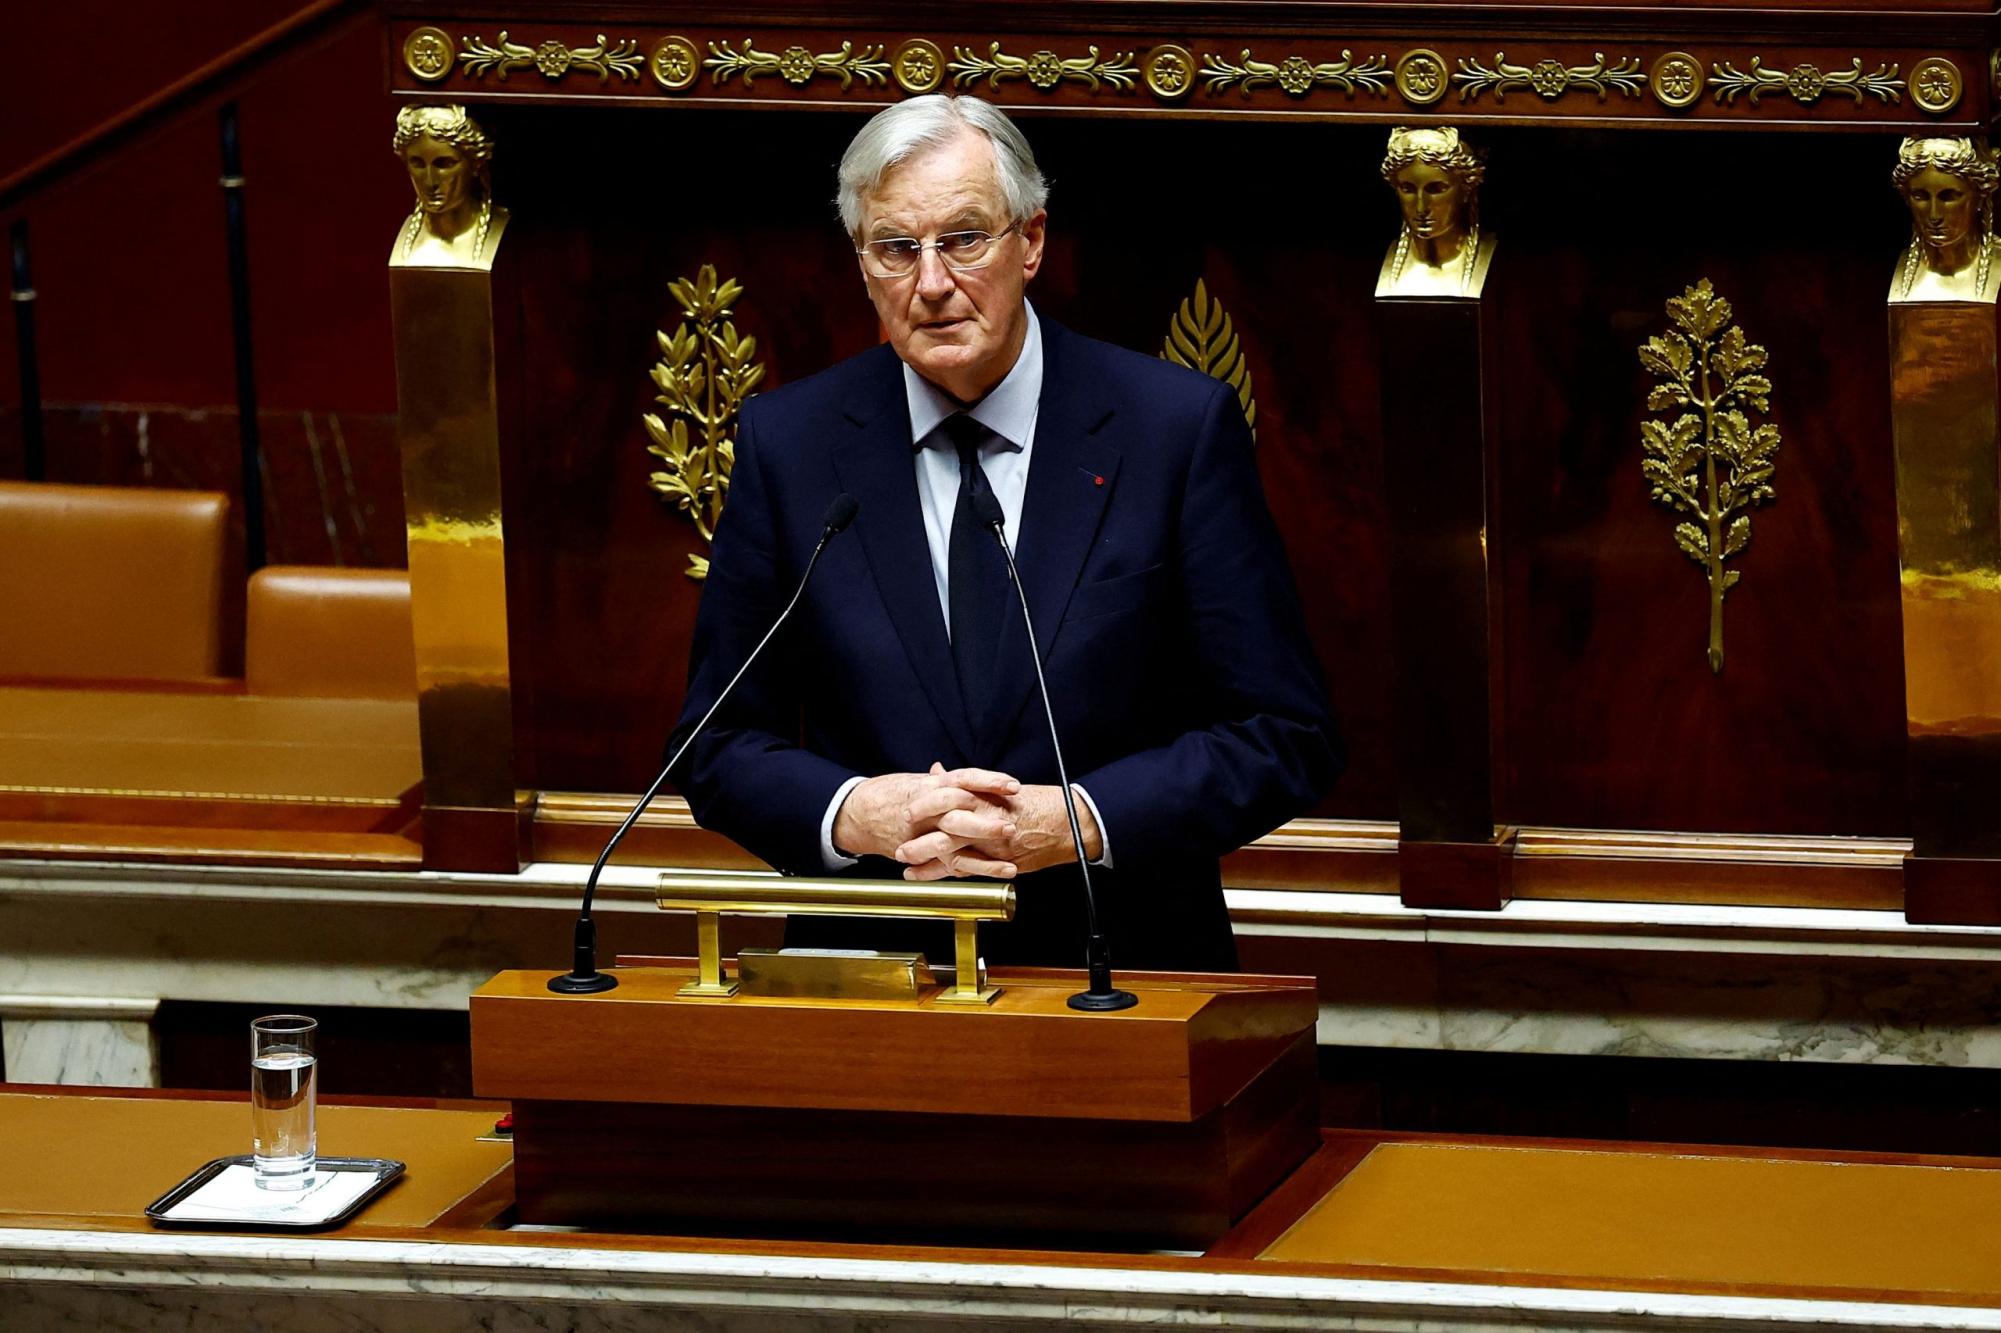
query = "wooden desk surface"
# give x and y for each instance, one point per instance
(139, 743)
(1614, 1217)
(98, 1161)
(1695, 1220)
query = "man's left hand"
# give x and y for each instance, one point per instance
(1041, 838)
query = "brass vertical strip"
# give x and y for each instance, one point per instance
(1944, 427)
(449, 426)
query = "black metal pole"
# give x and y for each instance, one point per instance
(246, 373)
(33, 463)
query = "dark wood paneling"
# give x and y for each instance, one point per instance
(1612, 717)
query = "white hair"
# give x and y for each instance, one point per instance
(898, 133)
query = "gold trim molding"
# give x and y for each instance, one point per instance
(1297, 76)
(675, 63)
(1548, 78)
(704, 375)
(1710, 462)
(918, 66)
(1936, 85)
(1421, 76)
(1201, 337)
(1169, 71)
(1805, 83)
(797, 65)
(478, 58)
(1044, 69)
(427, 53)
(1676, 80)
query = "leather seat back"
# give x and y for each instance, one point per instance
(330, 633)
(110, 582)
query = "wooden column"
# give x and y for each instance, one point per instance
(1437, 475)
(449, 425)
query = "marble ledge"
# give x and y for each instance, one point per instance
(304, 1284)
(1266, 913)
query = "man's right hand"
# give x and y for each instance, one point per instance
(883, 813)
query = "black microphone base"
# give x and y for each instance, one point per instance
(571, 983)
(1092, 1001)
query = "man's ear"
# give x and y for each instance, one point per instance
(1033, 232)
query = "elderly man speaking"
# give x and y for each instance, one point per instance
(894, 728)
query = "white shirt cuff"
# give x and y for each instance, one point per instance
(1104, 834)
(829, 857)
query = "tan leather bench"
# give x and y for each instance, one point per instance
(330, 633)
(110, 583)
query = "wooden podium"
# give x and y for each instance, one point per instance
(1158, 1126)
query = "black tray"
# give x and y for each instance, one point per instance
(385, 1171)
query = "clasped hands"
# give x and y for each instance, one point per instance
(963, 821)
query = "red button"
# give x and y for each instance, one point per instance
(1097, 481)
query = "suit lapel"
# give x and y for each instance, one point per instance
(1071, 475)
(875, 467)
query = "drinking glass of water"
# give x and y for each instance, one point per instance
(284, 1074)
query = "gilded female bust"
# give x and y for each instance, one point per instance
(1440, 251)
(455, 223)
(1948, 184)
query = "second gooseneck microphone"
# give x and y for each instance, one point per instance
(583, 977)
(1101, 995)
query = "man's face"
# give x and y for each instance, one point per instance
(440, 172)
(1429, 197)
(960, 330)
(1942, 206)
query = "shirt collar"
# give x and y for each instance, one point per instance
(1008, 410)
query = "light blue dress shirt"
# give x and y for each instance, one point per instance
(1008, 412)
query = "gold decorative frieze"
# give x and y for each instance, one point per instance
(1676, 80)
(1805, 83)
(427, 53)
(1548, 78)
(1296, 75)
(918, 66)
(675, 63)
(478, 58)
(1201, 337)
(705, 373)
(797, 65)
(1936, 85)
(1172, 74)
(1044, 69)
(1421, 76)
(1709, 462)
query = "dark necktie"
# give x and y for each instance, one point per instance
(976, 573)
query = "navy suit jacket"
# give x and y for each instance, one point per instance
(1186, 692)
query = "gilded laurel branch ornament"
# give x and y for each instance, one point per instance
(477, 58)
(1548, 78)
(705, 373)
(1805, 83)
(1709, 462)
(1296, 75)
(1201, 337)
(797, 65)
(1044, 69)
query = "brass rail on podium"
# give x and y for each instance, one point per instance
(843, 973)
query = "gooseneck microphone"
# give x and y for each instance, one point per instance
(1100, 995)
(584, 977)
